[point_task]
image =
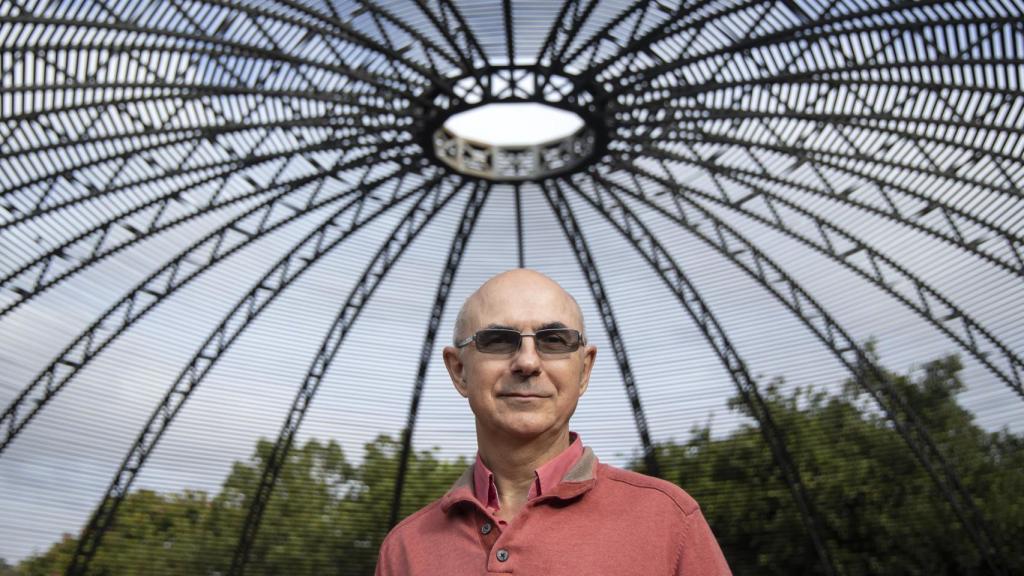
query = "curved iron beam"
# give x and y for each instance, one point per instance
(32, 278)
(348, 34)
(124, 155)
(198, 91)
(229, 48)
(449, 10)
(92, 193)
(351, 119)
(560, 36)
(706, 113)
(520, 246)
(871, 57)
(214, 89)
(574, 235)
(637, 234)
(216, 55)
(805, 33)
(684, 120)
(389, 253)
(463, 63)
(510, 37)
(870, 62)
(88, 192)
(144, 66)
(444, 286)
(377, 19)
(389, 44)
(40, 274)
(428, 45)
(196, 259)
(833, 76)
(863, 370)
(954, 233)
(675, 24)
(176, 91)
(40, 53)
(554, 32)
(631, 57)
(441, 23)
(604, 34)
(840, 245)
(306, 253)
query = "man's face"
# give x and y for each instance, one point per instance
(524, 394)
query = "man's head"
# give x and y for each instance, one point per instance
(526, 393)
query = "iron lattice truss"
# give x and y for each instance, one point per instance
(876, 143)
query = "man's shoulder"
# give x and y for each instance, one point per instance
(425, 515)
(645, 486)
(411, 541)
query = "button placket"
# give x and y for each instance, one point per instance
(497, 543)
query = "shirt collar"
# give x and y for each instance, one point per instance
(568, 475)
(544, 478)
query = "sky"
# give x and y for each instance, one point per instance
(54, 473)
(60, 465)
(514, 124)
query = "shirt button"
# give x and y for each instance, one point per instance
(486, 528)
(502, 555)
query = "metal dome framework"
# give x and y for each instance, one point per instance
(122, 121)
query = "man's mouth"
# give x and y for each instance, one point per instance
(521, 395)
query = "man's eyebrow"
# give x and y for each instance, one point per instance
(555, 324)
(552, 325)
(499, 326)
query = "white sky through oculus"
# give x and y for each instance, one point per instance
(514, 124)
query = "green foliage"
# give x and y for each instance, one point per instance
(52, 562)
(882, 513)
(326, 516)
(6, 569)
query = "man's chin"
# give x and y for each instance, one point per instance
(525, 428)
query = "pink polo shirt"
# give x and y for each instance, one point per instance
(597, 519)
(547, 476)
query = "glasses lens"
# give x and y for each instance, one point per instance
(557, 340)
(497, 341)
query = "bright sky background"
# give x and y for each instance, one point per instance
(514, 124)
(53, 475)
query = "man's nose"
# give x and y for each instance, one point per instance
(526, 361)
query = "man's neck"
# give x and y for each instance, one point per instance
(514, 462)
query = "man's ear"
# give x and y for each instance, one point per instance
(453, 362)
(589, 354)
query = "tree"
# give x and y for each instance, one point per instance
(882, 513)
(51, 563)
(325, 516)
(298, 532)
(6, 569)
(365, 513)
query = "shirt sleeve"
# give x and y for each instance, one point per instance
(385, 560)
(699, 553)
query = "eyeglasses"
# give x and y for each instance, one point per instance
(505, 341)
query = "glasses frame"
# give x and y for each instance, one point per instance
(466, 341)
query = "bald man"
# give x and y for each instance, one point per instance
(536, 501)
